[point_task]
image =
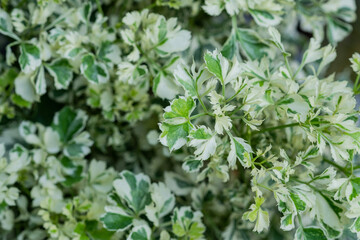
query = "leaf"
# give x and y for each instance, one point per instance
(85, 12)
(213, 64)
(24, 88)
(79, 146)
(115, 219)
(178, 184)
(109, 53)
(68, 123)
(163, 202)
(287, 222)
(178, 42)
(310, 233)
(251, 44)
(238, 149)
(337, 30)
(355, 227)
(230, 49)
(27, 131)
(204, 141)
(164, 86)
(187, 223)
(162, 30)
(142, 232)
(328, 215)
(73, 173)
(276, 39)
(29, 59)
(355, 188)
(40, 82)
(299, 204)
(176, 126)
(186, 80)
(134, 189)
(61, 71)
(6, 27)
(192, 165)
(265, 18)
(256, 213)
(92, 70)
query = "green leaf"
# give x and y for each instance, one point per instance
(61, 71)
(164, 86)
(72, 172)
(186, 80)
(337, 30)
(251, 44)
(79, 146)
(6, 27)
(176, 126)
(256, 213)
(238, 150)
(355, 183)
(40, 82)
(299, 204)
(179, 108)
(29, 59)
(25, 88)
(187, 223)
(97, 232)
(204, 141)
(19, 101)
(178, 184)
(116, 221)
(230, 48)
(355, 227)
(213, 64)
(109, 53)
(328, 214)
(265, 18)
(85, 12)
(134, 189)
(142, 232)
(310, 233)
(163, 202)
(68, 123)
(192, 165)
(287, 222)
(162, 30)
(92, 70)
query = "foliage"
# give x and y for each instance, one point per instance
(215, 119)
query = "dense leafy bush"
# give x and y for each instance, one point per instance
(215, 119)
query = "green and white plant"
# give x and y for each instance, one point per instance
(141, 119)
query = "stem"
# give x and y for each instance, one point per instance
(277, 127)
(299, 219)
(356, 87)
(198, 115)
(98, 4)
(234, 22)
(233, 96)
(235, 110)
(263, 186)
(356, 167)
(198, 95)
(298, 70)
(285, 126)
(337, 166)
(287, 64)
(58, 20)
(223, 87)
(202, 103)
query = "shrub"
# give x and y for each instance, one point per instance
(215, 119)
